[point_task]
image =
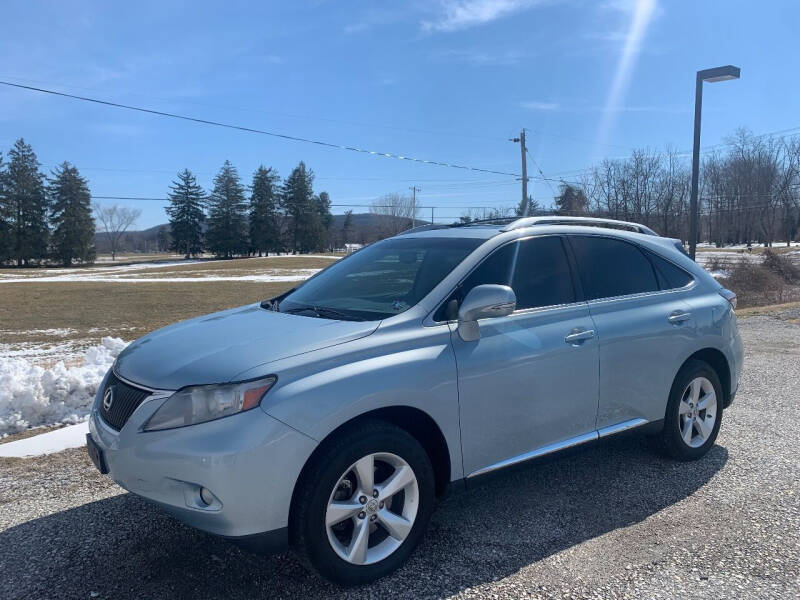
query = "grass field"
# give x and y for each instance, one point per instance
(58, 317)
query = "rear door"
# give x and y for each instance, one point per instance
(524, 385)
(642, 322)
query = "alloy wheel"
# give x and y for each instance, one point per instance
(372, 508)
(697, 412)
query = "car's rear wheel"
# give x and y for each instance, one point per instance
(363, 503)
(694, 412)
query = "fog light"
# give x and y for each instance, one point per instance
(206, 496)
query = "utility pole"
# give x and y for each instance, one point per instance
(525, 205)
(414, 189)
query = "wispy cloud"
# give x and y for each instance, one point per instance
(535, 105)
(481, 58)
(455, 15)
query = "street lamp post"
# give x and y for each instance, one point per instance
(710, 75)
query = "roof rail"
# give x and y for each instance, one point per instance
(430, 226)
(427, 227)
(589, 221)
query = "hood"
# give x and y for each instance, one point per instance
(216, 347)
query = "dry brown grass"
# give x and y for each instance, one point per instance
(770, 309)
(121, 309)
(757, 285)
(241, 266)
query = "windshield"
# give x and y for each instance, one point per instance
(381, 280)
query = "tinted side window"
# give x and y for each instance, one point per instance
(536, 269)
(669, 275)
(611, 267)
(541, 274)
(496, 269)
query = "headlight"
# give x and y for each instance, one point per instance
(202, 403)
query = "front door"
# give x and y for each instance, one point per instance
(525, 384)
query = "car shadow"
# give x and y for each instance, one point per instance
(122, 547)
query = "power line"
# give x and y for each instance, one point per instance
(281, 114)
(334, 205)
(258, 131)
(538, 168)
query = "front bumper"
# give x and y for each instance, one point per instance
(250, 462)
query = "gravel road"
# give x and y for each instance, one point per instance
(608, 521)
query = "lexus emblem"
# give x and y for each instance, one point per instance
(108, 398)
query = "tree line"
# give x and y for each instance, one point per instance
(749, 191)
(43, 217)
(268, 216)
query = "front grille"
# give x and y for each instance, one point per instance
(125, 399)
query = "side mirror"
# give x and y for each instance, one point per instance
(484, 302)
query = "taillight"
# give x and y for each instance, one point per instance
(729, 296)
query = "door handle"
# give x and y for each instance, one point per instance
(578, 336)
(679, 316)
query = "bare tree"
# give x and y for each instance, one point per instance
(395, 213)
(114, 221)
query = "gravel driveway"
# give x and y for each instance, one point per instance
(607, 521)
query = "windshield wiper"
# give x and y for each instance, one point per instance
(324, 312)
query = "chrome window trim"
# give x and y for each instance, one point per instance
(688, 287)
(643, 249)
(429, 322)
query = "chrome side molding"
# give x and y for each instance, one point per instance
(562, 445)
(620, 427)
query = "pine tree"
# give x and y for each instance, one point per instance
(186, 214)
(317, 228)
(298, 200)
(528, 208)
(71, 216)
(227, 221)
(571, 200)
(347, 226)
(263, 216)
(26, 204)
(5, 217)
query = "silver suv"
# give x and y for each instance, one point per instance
(329, 419)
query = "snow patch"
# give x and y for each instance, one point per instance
(72, 436)
(297, 275)
(62, 332)
(31, 395)
(43, 352)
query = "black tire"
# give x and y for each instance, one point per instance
(671, 441)
(307, 529)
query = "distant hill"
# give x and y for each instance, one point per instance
(367, 228)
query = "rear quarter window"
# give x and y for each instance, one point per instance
(669, 276)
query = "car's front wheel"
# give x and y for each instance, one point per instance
(363, 503)
(694, 412)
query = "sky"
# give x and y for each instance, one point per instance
(443, 80)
